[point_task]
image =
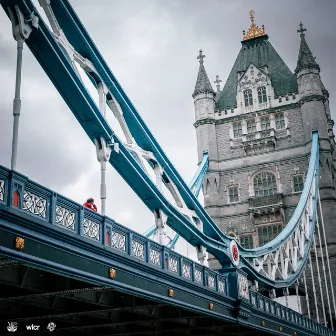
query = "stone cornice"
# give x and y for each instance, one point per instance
(313, 97)
(270, 163)
(204, 121)
(266, 111)
(247, 115)
(297, 159)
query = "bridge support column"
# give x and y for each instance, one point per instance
(286, 293)
(21, 31)
(255, 286)
(297, 296)
(202, 254)
(272, 294)
(103, 155)
(160, 222)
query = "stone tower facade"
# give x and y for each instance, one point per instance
(257, 131)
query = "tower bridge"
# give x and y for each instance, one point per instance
(266, 153)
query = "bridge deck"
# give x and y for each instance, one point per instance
(118, 272)
(29, 295)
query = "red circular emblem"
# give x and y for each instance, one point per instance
(235, 253)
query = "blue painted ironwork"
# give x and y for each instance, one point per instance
(195, 186)
(196, 183)
(55, 62)
(89, 225)
(227, 288)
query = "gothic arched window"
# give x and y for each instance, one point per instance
(264, 184)
(279, 121)
(262, 96)
(233, 195)
(246, 241)
(248, 97)
(265, 123)
(268, 233)
(251, 126)
(298, 183)
(237, 129)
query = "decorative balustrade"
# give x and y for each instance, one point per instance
(17, 191)
(258, 135)
(265, 201)
(259, 141)
(276, 309)
(265, 205)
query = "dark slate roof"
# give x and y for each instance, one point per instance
(203, 84)
(306, 60)
(260, 52)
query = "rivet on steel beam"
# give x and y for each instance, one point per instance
(112, 273)
(19, 243)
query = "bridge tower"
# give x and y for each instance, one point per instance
(316, 115)
(258, 135)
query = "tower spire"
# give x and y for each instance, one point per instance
(306, 60)
(203, 84)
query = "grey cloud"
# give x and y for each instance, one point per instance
(151, 46)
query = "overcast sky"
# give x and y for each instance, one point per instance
(151, 46)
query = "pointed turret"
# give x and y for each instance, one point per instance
(306, 60)
(204, 104)
(311, 90)
(203, 84)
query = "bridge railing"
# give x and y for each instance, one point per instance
(17, 191)
(278, 310)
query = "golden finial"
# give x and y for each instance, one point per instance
(254, 30)
(252, 16)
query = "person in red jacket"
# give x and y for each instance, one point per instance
(90, 204)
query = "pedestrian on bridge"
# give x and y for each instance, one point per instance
(90, 204)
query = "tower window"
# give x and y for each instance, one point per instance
(298, 183)
(251, 126)
(233, 195)
(248, 97)
(237, 129)
(262, 96)
(265, 123)
(268, 233)
(264, 184)
(279, 121)
(246, 241)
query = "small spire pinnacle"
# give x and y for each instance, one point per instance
(217, 82)
(254, 30)
(301, 30)
(201, 56)
(203, 84)
(306, 60)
